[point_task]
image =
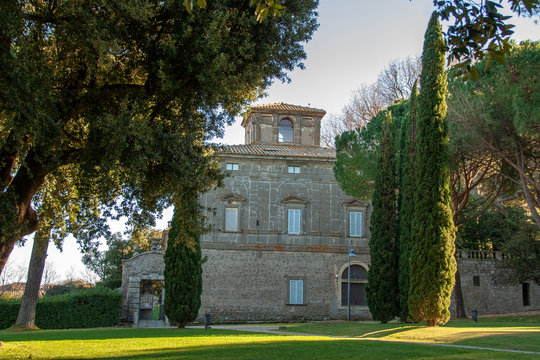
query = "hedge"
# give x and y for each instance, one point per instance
(9, 308)
(80, 309)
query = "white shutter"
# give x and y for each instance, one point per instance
(231, 219)
(296, 292)
(299, 291)
(355, 223)
(294, 216)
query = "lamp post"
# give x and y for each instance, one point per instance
(350, 253)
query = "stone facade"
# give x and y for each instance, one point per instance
(486, 288)
(145, 266)
(254, 261)
(281, 233)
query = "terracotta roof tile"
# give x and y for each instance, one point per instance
(287, 107)
(280, 150)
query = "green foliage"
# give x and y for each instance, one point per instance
(382, 287)
(183, 262)
(66, 287)
(9, 308)
(480, 31)
(498, 116)
(108, 264)
(81, 309)
(508, 229)
(407, 189)
(523, 250)
(125, 95)
(432, 265)
(357, 153)
(262, 7)
(490, 229)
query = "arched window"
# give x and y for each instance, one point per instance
(358, 285)
(285, 131)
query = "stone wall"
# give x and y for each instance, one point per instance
(492, 293)
(261, 188)
(144, 266)
(253, 285)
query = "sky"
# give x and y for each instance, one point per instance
(356, 39)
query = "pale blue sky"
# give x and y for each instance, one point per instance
(355, 41)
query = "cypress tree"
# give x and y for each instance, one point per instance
(407, 189)
(432, 264)
(381, 291)
(183, 263)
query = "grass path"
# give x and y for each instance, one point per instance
(521, 333)
(420, 340)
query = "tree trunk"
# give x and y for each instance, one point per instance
(458, 296)
(27, 312)
(21, 218)
(529, 198)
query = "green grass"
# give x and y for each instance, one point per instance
(514, 333)
(112, 343)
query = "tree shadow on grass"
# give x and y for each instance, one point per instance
(387, 332)
(107, 333)
(305, 349)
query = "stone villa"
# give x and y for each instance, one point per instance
(282, 233)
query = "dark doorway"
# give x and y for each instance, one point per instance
(150, 307)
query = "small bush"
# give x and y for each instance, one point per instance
(111, 284)
(67, 287)
(80, 309)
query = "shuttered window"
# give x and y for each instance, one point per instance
(231, 219)
(296, 292)
(355, 223)
(294, 221)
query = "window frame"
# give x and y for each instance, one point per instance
(281, 138)
(232, 201)
(237, 218)
(293, 296)
(232, 167)
(297, 220)
(343, 282)
(293, 169)
(360, 228)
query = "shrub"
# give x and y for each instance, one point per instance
(67, 287)
(9, 309)
(80, 309)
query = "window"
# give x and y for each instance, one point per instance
(231, 219)
(355, 223)
(232, 166)
(294, 169)
(294, 221)
(285, 131)
(358, 286)
(525, 290)
(476, 280)
(296, 292)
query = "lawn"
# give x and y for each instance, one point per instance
(121, 343)
(515, 333)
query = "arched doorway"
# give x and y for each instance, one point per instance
(358, 285)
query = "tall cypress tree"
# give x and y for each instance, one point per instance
(183, 263)
(407, 188)
(381, 291)
(432, 265)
